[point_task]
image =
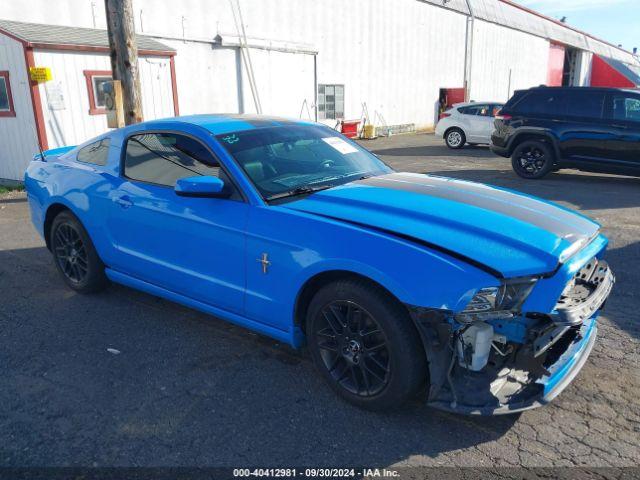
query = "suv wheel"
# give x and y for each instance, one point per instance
(365, 345)
(455, 138)
(532, 159)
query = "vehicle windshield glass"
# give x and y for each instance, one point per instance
(285, 161)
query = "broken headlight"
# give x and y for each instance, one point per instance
(485, 300)
(502, 301)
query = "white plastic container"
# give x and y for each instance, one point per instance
(478, 337)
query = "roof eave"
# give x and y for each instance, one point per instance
(95, 48)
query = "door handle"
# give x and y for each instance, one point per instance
(124, 201)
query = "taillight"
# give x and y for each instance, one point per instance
(444, 115)
(503, 116)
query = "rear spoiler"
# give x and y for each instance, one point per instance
(53, 153)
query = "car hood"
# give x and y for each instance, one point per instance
(505, 232)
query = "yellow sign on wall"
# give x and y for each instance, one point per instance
(40, 74)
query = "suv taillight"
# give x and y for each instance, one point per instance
(444, 115)
(503, 116)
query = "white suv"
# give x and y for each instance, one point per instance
(467, 123)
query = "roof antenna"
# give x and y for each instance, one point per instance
(35, 136)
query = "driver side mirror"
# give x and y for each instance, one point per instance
(205, 186)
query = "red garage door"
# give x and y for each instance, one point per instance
(556, 65)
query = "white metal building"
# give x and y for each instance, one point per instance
(325, 59)
(69, 108)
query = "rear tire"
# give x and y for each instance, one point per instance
(455, 138)
(532, 159)
(365, 345)
(75, 256)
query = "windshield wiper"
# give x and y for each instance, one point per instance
(303, 190)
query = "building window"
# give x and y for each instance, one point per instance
(330, 102)
(95, 80)
(6, 100)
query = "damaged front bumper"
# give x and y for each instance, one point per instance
(521, 373)
(491, 386)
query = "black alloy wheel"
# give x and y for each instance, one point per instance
(70, 253)
(353, 348)
(365, 345)
(532, 159)
(75, 255)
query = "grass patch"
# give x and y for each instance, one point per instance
(6, 188)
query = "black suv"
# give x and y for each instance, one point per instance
(544, 129)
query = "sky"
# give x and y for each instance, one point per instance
(616, 21)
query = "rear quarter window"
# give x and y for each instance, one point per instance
(95, 153)
(543, 102)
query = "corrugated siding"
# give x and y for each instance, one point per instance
(393, 55)
(208, 79)
(390, 55)
(72, 124)
(18, 138)
(494, 58)
(155, 79)
(514, 17)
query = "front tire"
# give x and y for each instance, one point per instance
(75, 256)
(365, 345)
(455, 138)
(532, 159)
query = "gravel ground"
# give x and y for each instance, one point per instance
(190, 390)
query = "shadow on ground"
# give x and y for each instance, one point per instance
(13, 200)
(185, 389)
(475, 151)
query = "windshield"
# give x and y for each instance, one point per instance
(285, 161)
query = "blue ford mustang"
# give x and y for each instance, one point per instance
(481, 299)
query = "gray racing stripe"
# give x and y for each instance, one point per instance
(556, 220)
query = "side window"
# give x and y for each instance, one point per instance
(164, 158)
(585, 104)
(6, 101)
(470, 110)
(484, 110)
(95, 153)
(625, 107)
(495, 109)
(543, 103)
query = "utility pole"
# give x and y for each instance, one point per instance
(124, 56)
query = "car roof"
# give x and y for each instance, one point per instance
(219, 124)
(586, 88)
(468, 104)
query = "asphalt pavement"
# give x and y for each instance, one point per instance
(122, 378)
